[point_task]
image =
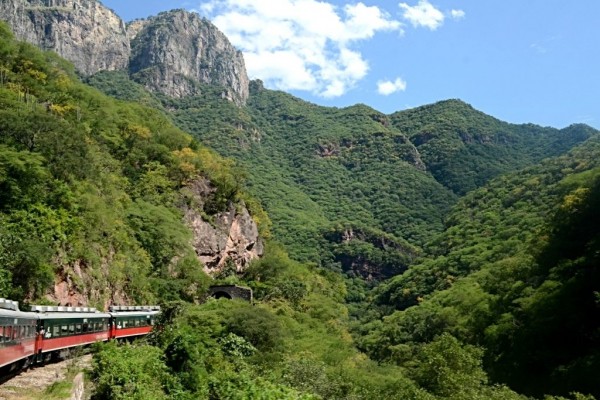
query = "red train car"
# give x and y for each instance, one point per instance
(18, 332)
(62, 328)
(48, 331)
(132, 321)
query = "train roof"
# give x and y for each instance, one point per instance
(134, 313)
(7, 304)
(133, 308)
(71, 315)
(62, 312)
(17, 314)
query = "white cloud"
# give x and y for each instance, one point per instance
(301, 44)
(388, 87)
(457, 14)
(423, 14)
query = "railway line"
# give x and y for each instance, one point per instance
(47, 333)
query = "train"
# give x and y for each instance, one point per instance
(47, 332)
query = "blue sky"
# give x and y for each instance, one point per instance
(519, 60)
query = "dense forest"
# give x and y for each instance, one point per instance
(436, 253)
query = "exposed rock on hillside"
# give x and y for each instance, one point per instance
(172, 53)
(371, 254)
(175, 50)
(84, 32)
(232, 237)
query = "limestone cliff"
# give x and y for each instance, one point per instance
(175, 50)
(172, 53)
(228, 237)
(84, 32)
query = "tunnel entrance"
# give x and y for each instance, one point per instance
(230, 292)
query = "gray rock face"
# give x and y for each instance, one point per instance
(176, 49)
(171, 53)
(84, 32)
(231, 236)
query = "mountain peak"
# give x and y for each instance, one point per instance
(173, 53)
(86, 33)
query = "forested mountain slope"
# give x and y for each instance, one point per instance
(93, 190)
(463, 148)
(340, 185)
(353, 187)
(502, 285)
(516, 272)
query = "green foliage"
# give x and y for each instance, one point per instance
(130, 372)
(22, 178)
(159, 231)
(515, 273)
(89, 185)
(446, 368)
(464, 148)
(258, 326)
(315, 168)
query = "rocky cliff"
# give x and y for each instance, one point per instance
(230, 237)
(172, 53)
(84, 32)
(175, 50)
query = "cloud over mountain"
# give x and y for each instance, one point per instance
(301, 44)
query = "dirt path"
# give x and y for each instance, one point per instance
(32, 384)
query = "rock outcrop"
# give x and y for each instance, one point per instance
(84, 32)
(175, 50)
(229, 237)
(172, 53)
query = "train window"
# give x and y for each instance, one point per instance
(85, 327)
(55, 330)
(78, 328)
(137, 322)
(64, 330)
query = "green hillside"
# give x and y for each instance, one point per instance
(323, 174)
(353, 188)
(515, 272)
(494, 294)
(90, 188)
(463, 148)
